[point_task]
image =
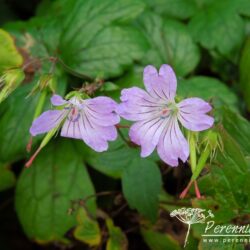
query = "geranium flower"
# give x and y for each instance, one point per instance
(91, 120)
(157, 115)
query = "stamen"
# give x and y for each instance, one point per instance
(29, 145)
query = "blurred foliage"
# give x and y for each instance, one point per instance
(90, 42)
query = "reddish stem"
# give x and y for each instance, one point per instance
(29, 145)
(185, 191)
(122, 126)
(32, 158)
(197, 191)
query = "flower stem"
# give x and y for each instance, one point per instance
(197, 191)
(185, 191)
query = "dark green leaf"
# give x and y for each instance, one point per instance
(245, 73)
(141, 184)
(91, 45)
(170, 43)
(7, 177)
(207, 88)
(218, 26)
(45, 191)
(238, 127)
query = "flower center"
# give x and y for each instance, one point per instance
(168, 109)
(74, 114)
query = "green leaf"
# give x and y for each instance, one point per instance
(45, 191)
(91, 45)
(218, 26)
(117, 239)
(170, 43)
(16, 118)
(228, 172)
(238, 127)
(181, 9)
(110, 51)
(87, 230)
(207, 88)
(245, 74)
(7, 177)
(114, 161)
(9, 55)
(141, 185)
(158, 241)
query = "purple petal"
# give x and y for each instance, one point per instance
(71, 129)
(138, 105)
(47, 121)
(101, 104)
(162, 85)
(92, 135)
(57, 100)
(147, 134)
(192, 114)
(173, 145)
(101, 119)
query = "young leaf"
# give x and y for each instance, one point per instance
(9, 55)
(87, 230)
(141, 185)
(45, 191)
(117, 239)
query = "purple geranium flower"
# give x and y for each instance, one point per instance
(157, 114)
(92, 120)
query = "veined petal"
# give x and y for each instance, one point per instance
(101, 119)
(47, 121)
(162, 85)
(147, 134)
(71, 129)
(101, 104)
(194, 105)
(170, 81)
(192, 114)
(57, 100)
(138, 104)
(91, 135)
(172, 144)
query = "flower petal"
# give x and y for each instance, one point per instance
(162, 85)
(47, 121)
(192, 114)
(71, 129)
(138, 105)
(170, 81)
(57, 100)
(172, 144)
(147, 134)
(101, 119)
(101, 104)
